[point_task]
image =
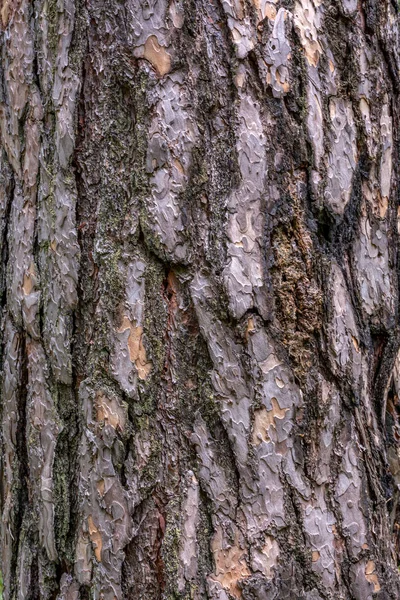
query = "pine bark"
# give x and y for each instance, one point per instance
(200, 365)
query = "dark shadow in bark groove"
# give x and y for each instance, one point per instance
(23, 500)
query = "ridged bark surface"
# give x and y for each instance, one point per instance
(200, 335)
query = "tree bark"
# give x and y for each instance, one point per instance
(200, 365)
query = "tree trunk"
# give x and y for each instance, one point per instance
(200, 362)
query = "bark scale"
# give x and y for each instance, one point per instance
(200, 362)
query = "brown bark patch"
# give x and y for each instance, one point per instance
(29, 280)
(355, 343)
(109, 411)
(157, 56)
(95, 538)
(264, 419)
(101, 486)
(230, 563)
(305, 19)
(284, 84)
(371, 576)
(315, 556)
(250, 328)
(265, 9)
(7, 10)
(137, 351)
